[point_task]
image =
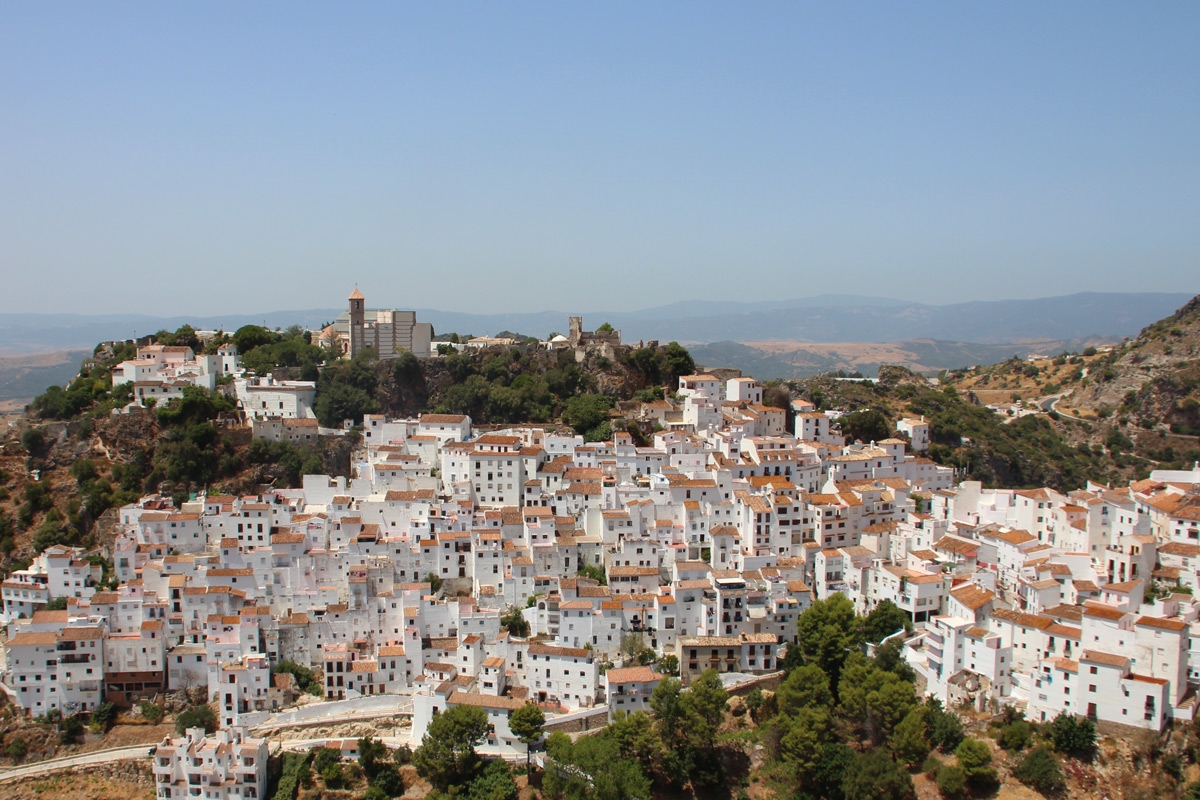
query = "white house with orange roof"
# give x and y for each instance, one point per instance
(628, 689)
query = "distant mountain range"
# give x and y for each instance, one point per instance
(791, 360)
(825, 318)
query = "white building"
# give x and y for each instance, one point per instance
(266, 397)
(917, 431)
(226, 765)
(629, 689)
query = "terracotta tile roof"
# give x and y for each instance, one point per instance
(1108, 659)
(972, 596)
(548, 650)
(631, 675)
(1165, 624)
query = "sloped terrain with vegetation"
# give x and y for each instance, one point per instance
(1153, 380)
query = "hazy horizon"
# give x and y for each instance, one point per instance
(224, 158)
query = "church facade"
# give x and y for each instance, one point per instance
(390, 332)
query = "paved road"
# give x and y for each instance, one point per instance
(1050, 403)
(81, 760)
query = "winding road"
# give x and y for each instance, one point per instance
(1050, 403)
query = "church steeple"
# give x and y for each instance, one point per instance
(357, 318)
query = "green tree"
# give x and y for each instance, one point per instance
(804, 687)
(884, 620)
(324, 756)
(495, 782)
(346, 390)
(666, 703)
(248, 337)
(447, 754)
(103, 717)
(372, 754)
(890, 704)
(69, 729)
(1015, 736)
(34, 441)
(875, 776)
(868, 425)
(1040, 769)
(677, 361)
(825, 635)
(592, 768)
(84, 471)
(388, 780)
(952, 782)
(586, 412)
(1073, 735)
(636, 738)
(827, 775)
(909, 742)
(803, 736)
(594, 572)
(514, 622)
(435, 583)
(975, 760)
(197, 717)
(872, 700)
(704, 703)
(526, 723)
(945, 727)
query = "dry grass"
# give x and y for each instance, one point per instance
(76, 785)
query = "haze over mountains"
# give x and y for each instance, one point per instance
(825, 318)
(769, 339)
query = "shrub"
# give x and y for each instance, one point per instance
(1016, 736)
(975, 760)
(198, 717)
(103, 717)
(16, 749)
(1073, 735)
(333, 775)
(34, 441)
(324, 756)
(306, 680)
(945, 729)
(293, 773)
(1040, 769)
(151, 712)
(952, 782)
(931, 766)
(69, 729)
(389, 781)
(909, 742)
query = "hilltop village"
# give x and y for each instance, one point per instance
(514, 565)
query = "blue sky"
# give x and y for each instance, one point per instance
(239, 157)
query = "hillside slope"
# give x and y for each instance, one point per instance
(1153, 379)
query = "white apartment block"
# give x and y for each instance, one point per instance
(226, 765)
